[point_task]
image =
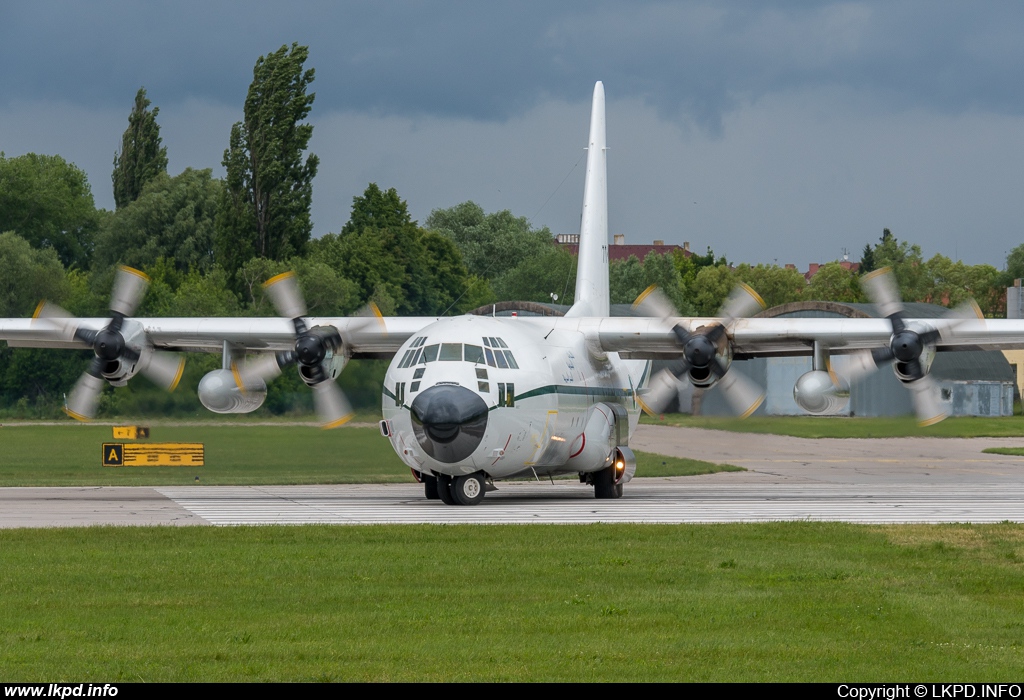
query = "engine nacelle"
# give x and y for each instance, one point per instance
(118, 372)
(334, 356)
(926, 359)
(821, 393)
(703, 377)
(219, 392)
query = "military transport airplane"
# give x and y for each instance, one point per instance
(470, 400)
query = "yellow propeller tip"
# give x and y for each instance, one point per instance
(644, 294)
(336, 423)
(277, 278)
(133, 271)
(76, 416)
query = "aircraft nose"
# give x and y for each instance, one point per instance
(449, 422)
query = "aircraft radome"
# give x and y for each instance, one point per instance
(470, 400)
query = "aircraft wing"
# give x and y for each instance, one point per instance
(381, 337)
(650, 338)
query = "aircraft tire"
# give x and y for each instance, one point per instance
(444, 490)
(605, 486)
(468, 489)
(430, 487)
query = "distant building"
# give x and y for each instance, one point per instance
(812, 269)
(618, 250)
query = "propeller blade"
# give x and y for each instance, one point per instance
(50, 315)
(957, 316)
(129, 288)
(743, 302)
(654, 303)
(742, 393)
(256, 370)
(661, 391)
(331, 405)
(925, 394)
(164, 369)
(85, 397)
(880, 286)
(283, 291)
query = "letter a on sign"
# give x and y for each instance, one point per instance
(113, 454)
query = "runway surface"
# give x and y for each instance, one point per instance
(899, 480)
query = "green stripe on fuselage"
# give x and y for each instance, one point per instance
(600, 391)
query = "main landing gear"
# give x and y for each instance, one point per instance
(465, 490)
(605, 484)
(608, 482)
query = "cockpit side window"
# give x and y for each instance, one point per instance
(407, 358)
(499, 357)
(430, 353)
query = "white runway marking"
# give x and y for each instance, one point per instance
(646, 501)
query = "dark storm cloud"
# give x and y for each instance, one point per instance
(493, 61)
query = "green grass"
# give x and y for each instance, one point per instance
(69, 455)
(650, 464)
(766, 602)
(843, 427)
(1016, 451)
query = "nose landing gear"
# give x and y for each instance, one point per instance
(465, 490)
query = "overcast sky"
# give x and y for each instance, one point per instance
(772, 132)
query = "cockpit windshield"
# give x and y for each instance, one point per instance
(494, 353)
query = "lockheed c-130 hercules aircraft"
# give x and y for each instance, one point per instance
(470, 400)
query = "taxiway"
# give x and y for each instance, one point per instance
(893, 480)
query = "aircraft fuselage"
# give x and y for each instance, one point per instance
(522, 392)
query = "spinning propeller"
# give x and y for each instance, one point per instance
(120, 348)
(906, 345)
(309, 353)
(700, 352)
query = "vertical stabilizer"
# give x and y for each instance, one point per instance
(592, 263)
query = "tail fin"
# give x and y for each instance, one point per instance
(592, 264)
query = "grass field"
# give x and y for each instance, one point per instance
(842, 427)
(69, 455)
(767, 602)
(1015, 451)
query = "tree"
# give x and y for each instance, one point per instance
(173, 218)
(776, 285)
(906, 263)
(269, 185)
(629, 278)
(867, 259)
(27, 275)
(689, 266)
(47, 201)
(491, 244)
(537, 277)
(711, 287)
(833, 282)
(952, 283)
(1014, 266)
(397, 265)
(142, 158)
(31, 377)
